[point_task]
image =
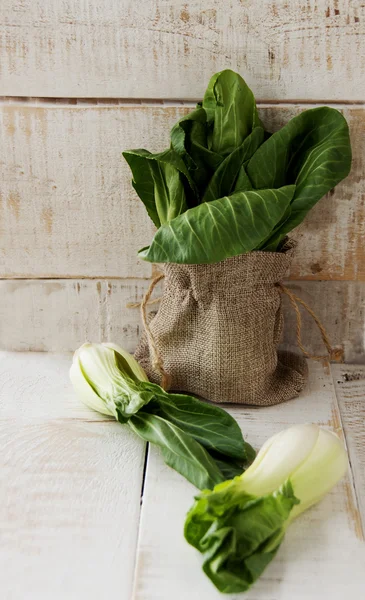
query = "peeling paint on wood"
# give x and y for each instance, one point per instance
(122, 48)
(68, 207)
(61, 315)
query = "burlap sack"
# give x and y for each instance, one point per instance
(218, 327)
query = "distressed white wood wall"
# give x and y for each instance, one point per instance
(287, 49)
(80, 82)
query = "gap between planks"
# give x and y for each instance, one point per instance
(340, 429)
(64, 277)
(107, 102)
(139, 526)
(71, 277)
(350, 393)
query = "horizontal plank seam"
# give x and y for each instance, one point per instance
(352, 478)
(173, 102)
(292, 280)
(9, 416)
(73, 278)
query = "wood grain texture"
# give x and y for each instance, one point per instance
(68, 209)
(340, 306)
(122, 48)
(70, 488)
(349, 382)
(323, 549)
(67, 205)
(59, 315)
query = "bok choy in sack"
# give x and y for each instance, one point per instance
(224, 197)
(226, 186)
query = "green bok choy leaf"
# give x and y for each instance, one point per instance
(216, 230)
(239, 526)
(200, 441)
(221, 150)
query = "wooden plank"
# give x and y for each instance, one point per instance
(349, 383)
(120, 48)
(323, 549)
(59, 315)
(67, 207)
(340, 306)
(26, 380)
(70, 489)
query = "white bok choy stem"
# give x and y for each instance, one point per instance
(239, 526)
(200, 441)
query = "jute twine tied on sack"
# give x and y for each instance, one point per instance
(157, 362)
(334, 354)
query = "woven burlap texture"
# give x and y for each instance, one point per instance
(218, 327)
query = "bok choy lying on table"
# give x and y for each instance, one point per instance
(239, 526)
(226, 186)
(200, 441)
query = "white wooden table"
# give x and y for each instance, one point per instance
(73, 525)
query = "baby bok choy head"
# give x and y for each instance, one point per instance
(106, 378)
(238, 527)
(200, 441)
